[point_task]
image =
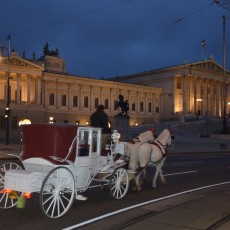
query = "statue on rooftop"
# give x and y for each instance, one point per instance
(46, 51)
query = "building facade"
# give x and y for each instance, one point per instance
(198, 88)
(42, 91)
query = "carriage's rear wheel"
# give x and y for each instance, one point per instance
(8, 200)
(119, 183)
(57, 192)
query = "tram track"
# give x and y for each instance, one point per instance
(164, 207)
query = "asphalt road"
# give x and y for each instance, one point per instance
(183, 173)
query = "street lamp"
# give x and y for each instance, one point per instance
(224, 77)
(7, 110)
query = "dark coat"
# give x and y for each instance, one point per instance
(100, 119)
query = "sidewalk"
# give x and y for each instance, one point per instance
(200, 145)
(10, 149)
(182, 145)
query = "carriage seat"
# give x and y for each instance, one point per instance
(52, 142)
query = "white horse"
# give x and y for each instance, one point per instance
(152, 155)
(131, 148)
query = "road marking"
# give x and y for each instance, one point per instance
(142, 204)
(172, 174)
(189, 162)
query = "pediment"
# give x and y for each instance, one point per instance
(20, 62)
(208, 66)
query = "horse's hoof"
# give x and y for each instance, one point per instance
(134, 188)
(138, 189)
(102, 186)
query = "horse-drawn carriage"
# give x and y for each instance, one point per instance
(60, 162)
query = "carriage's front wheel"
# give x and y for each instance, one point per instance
(57, 192)
(119, 183)
(8, 200)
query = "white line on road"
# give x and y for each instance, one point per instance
(142, 204)
(189, 162)
(172, 174)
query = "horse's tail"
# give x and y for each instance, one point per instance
(133, 161)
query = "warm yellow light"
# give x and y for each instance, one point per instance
(51, 120)
(87, 123)
(24, 122)
(198, 99)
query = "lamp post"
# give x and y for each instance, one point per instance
(7, 110)
(224, 77)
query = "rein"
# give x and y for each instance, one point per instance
(156, 144)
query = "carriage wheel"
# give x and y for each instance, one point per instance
(8, 200)
(119, 183)
(57, 192)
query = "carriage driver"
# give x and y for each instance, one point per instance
(100, 119)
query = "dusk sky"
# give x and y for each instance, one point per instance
(107, 38)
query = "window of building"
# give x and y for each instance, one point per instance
(66, 121)
(86, 102)
(96, 102)
(133, 107)
(51, 99)
(63, 100)
(75, 101)
(141, 106)
(106, 103)
(157, 109)
(150, 107)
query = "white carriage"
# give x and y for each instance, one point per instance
(60, 161)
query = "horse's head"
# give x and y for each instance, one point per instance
(166, 138)
(171, 138)
(147, 136)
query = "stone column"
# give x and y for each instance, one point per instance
(46, 94)
(192, 96)
(80, 97)
(184, 94)
(18, 88)
(211, 99)
(57, 94)
(217, 99)
(38, 90)
(28, 89)
(111, 100)
(205, 98)
(69, 97)
(198, 96)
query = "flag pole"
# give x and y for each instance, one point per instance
(203, 43)
(9, 41)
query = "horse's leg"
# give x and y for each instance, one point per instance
(139, 179)
(154, 185)
(137, 182)
(159, 171)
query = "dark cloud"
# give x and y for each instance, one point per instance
(103, 38)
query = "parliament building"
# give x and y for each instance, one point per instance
(199, 88)
(42, 91)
